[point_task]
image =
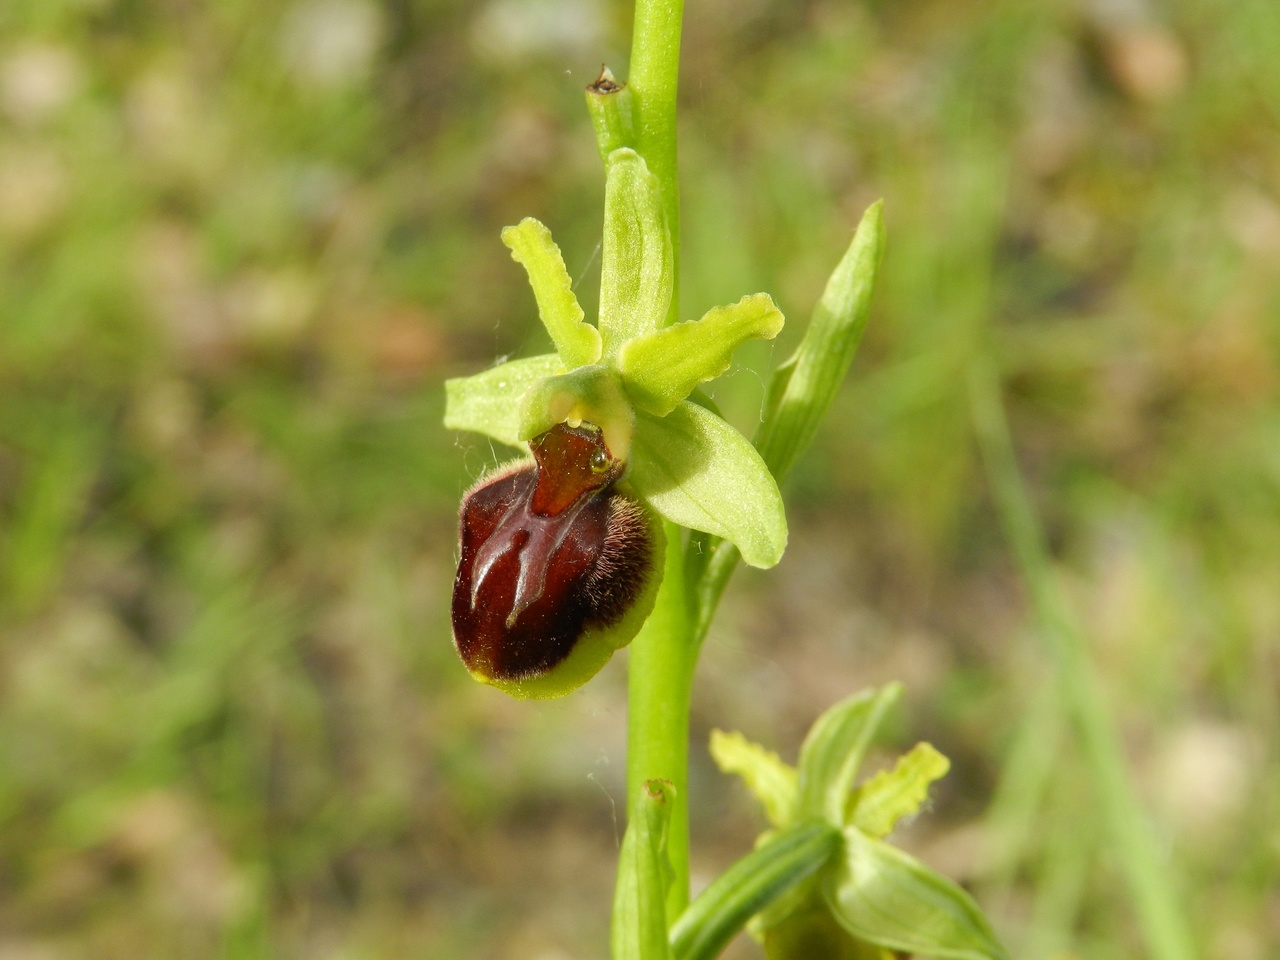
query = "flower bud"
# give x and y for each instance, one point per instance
(558, 567)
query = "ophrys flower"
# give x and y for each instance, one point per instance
(617, 390)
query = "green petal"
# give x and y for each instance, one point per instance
(489, 402)
(770, 781)
(698, 472)
(801, 390)
(758, 879)
(661, 368)
(886, 897)
(636, 266)
(577, 342)
(833, 751)
(644, 873)
(876, 807)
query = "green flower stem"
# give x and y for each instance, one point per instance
(661, 677)
(663, 655)
(1163, 920)
(655, 70)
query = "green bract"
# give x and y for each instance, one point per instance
(779, 864)
(644, 874)
(630, 374)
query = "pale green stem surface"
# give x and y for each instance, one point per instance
(664, 655)
(1129, 831)
(655, 71)
(661, 677)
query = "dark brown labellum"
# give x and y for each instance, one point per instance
(552, 557)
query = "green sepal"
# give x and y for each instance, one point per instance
(661, 368)
(834, 748)
(876, 807)
(639, 930)
(698, 472)
(884, 896)
(488, 402)
(771, 782)
(636, 267)
(777, 864)
(577, 342)
(801, 389)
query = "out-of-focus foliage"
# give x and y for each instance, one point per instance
(242, 244)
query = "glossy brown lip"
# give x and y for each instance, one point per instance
(549, 550)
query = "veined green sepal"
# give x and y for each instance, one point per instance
(834, 748)
(698, 472)
(884, 896)
(489, 402)
(637, 268)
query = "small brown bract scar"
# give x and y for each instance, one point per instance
(605, 83)
(551, 552)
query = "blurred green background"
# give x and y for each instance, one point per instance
(242, 243)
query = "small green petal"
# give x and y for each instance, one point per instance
(644, 874)
(770, 781)
(489, 402)
(531, 246)
(661, 368)
(698, 472)
(889, 898)
(833, 751)
(636, 267)
(876, 807)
